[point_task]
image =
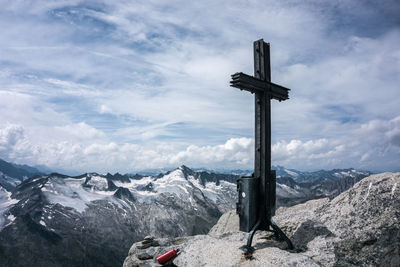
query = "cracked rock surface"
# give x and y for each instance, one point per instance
(360, 227)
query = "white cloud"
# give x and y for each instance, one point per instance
(10, 136)
(109, 156)
(105, 109)
(81, 130)
(309, 153)
(235, 152)
(376, 145)
(381, 135)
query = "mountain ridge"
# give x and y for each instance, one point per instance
(12, 174)
(105, 213)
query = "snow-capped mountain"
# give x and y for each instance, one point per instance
(294, 187)
(84, 220)
(318, 176)
(5, 203)
(298, 176)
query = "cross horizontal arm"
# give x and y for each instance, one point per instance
(254, 85)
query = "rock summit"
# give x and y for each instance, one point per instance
(360, 227)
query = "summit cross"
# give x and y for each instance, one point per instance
(257, 194)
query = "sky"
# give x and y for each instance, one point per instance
(122, 86)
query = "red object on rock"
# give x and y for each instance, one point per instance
(167, 256)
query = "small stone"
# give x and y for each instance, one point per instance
(144, 246)
(146, 242)
(155, 243)
(149, 238)
(144, 256)
(152, 251)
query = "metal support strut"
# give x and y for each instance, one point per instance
(249, 249)
(281, 236)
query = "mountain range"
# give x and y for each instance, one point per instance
(92, 219)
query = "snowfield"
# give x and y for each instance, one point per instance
(78, 193)
(6, 202)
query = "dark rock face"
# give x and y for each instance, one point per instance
(360, 227)
(122, 193)
(21, 172)
(12, 174)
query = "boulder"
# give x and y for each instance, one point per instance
(360, 227)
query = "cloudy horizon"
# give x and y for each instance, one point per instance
(124, 86)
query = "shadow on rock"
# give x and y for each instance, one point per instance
(306, 232)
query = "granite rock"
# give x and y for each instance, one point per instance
(360, 227)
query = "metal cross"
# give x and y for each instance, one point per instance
(257, 208)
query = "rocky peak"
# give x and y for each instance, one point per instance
(119, 177)
(124, 193)
(360, 227)
(186, 170)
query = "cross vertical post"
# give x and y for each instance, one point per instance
(262, 157)
(257, 194)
